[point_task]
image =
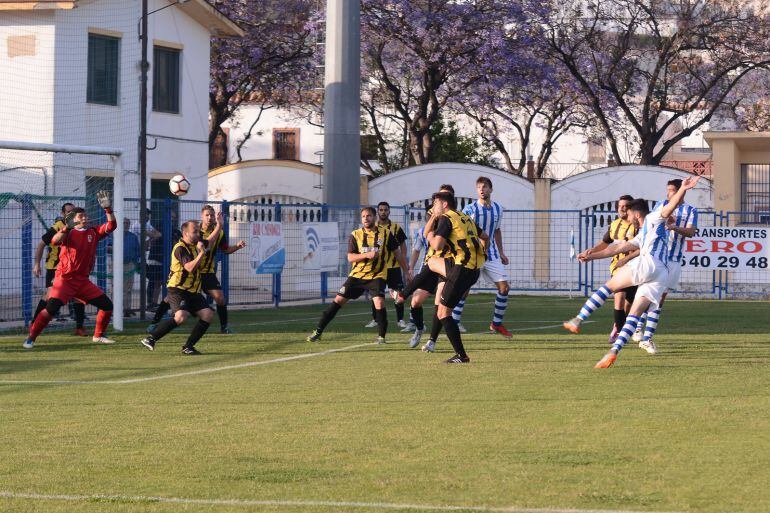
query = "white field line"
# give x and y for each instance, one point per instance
(303, 503)
(187, 373)
(551, 326)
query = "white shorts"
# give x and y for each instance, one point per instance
(674, 274)
(651, 275)
(494, 271)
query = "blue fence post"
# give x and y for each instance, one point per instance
(277, 276)
(225, 259)
(26, 259)
(324, 275)
(166, 230)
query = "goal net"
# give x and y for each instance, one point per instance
(36, 181)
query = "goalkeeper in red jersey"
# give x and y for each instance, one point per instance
(78, 242)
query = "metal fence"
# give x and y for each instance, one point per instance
(540, 246)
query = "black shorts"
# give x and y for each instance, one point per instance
(209, 281)
(179, 299)
(630, 293)
(395, 280)
(49, 276)
(458, 281)
(353, 288)
(425, 280)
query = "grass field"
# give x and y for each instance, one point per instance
(529, 425)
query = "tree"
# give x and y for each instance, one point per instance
(271, 65)
(660, 67)
(449, 145)
(419, 54)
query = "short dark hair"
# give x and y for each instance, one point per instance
(67, 204)
(446, 196)
(207, 207)
(484, 179)
(447, 187)
(626, 197)
(381, 203)
(77, 210)
(371, 210)
(640, 205)
(186, 224)
(676, 182)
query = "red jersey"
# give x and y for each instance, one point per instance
(78, 250)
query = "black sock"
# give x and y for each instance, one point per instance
(435, 328)
(453, 334)
(620, 319)
(162, 329)
(222, 313)
(80, 314)
(374, 312)
(328, 315)
(417, 316)
(197, 332)
(160, 312)
(381, 315)
(399, 312)
(40, 307)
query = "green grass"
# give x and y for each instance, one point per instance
(528, 424)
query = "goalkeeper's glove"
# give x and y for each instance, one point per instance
(103, 197)
(69, 221)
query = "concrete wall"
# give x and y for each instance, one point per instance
(256, 178)
(731, 150)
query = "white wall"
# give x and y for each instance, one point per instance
(265, 178)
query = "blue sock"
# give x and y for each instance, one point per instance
(501, 302)
(625, 333)
(596, 300)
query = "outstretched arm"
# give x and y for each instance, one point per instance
(669, 207)
(610, 251)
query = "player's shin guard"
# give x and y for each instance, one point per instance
(399, 311)
(594, 302)
(620, 319)
(197, 332)
(381, 316)
(40, 307)
(102, 321)
(417, 316)
(42, 320)
(435, 328)
(653, 317)
(328, 315)
(501, 303)
(162, 309)
(453, 334)
(163, 328)
(222, 313)
(625, 333)
(457, 313)
(80, 313)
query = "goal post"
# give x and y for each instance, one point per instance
(26, 168)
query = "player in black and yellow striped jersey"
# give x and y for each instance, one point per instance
(369, 249)
(466, 243)
(184, 290)
(51, 262)
(395, 279)
(620, 230)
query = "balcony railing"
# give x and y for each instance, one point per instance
(696, 167)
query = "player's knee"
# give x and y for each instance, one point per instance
(379, 302)
(219, 299)
(181, 316)
(503, 288)
(53, 306)
(206, 315)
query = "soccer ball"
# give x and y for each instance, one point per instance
(179, 185)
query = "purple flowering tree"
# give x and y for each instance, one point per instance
(661, 69)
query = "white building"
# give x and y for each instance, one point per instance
(70, 74)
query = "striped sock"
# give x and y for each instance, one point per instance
(458, 311)
(501, 302)
(642, 321)
(625, 333)
(653, 317)
(596, 300)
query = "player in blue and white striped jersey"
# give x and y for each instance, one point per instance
(649, 271)
(682, 224)
(489, 215)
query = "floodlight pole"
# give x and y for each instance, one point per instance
(342, 99)
(144, 65)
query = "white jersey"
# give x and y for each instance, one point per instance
(684, 216)
(420, 244)
(489, 219)
(652, 239)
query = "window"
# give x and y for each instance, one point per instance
(755, 193)
(597, 152)
(165, 80)
(369, 149)
(103, 61)
(286, 143)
